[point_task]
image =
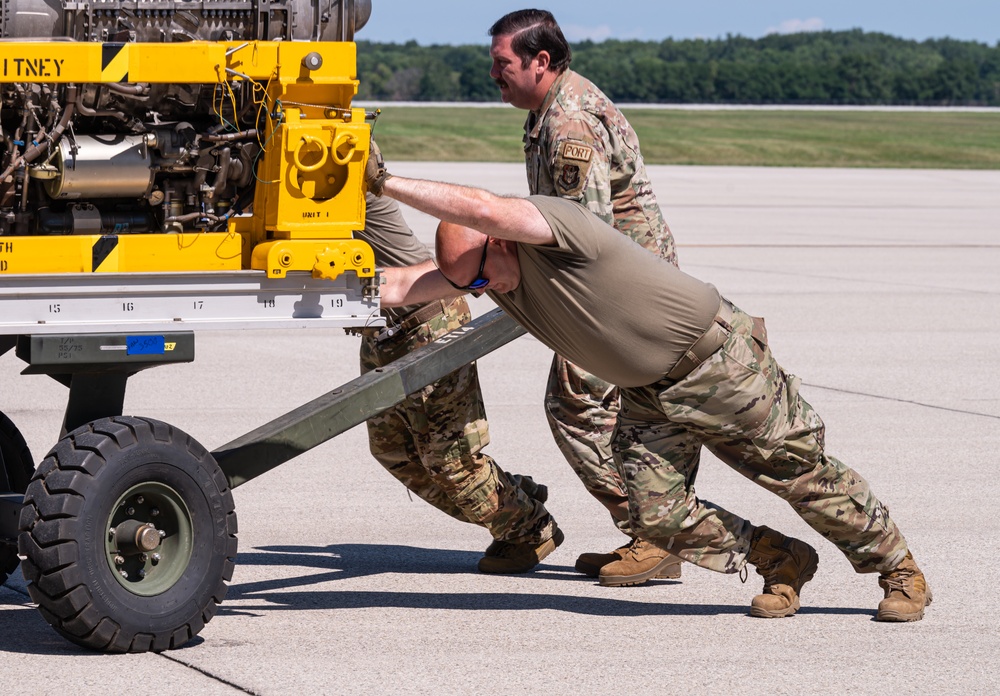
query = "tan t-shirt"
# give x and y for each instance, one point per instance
(392, 240)
(603, 302)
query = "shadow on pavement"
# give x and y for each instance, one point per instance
(342, 561)
(24, 631)
(355, 560)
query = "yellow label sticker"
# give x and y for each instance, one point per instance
(169, 346)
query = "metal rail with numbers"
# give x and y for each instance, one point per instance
(115, 302)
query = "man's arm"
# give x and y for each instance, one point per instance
(504, 218)
(417, 284)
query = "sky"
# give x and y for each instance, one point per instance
(466, 21)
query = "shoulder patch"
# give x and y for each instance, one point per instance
(571, 167)
(580, 152)
(569, 181)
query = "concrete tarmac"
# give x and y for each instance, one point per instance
(881, 290)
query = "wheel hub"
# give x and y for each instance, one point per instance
(150, 538)
(134, 537)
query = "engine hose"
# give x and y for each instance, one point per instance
(229, 137)
(193, 216)
(36, 148)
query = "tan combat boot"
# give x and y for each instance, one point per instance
(786, 565)
(590, 563)
(506, 558)
(906, 593)
(537, 492)
(638, 562)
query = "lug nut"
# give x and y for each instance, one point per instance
(155, 558)
(119, 560)
(124, 574)
(130, 511)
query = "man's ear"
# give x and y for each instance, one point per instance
(505, 245)
(544, 61)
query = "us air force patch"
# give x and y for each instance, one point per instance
(572, 167)
(569, 178)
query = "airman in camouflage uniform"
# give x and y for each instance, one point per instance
(747, 410)
(579, 146)
(432, 442)
(693, 371)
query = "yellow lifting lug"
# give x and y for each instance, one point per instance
(323, 258)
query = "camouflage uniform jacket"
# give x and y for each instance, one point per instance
(578, 145)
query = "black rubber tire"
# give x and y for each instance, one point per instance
(64, 525)
(18, 466)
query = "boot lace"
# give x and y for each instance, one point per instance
(899, 581)
(634, 547)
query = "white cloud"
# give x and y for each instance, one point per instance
(576, 32)
(796, 26)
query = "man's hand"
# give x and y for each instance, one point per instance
(375, 173)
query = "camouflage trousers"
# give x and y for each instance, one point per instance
(432, 441)
(581, 410)
(743, 407)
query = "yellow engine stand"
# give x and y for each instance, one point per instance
(309, 194)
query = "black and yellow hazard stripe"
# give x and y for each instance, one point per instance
(114, 62)
(105, 251)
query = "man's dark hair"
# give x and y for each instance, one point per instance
(532, 32)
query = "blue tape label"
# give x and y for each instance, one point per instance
(145, 345)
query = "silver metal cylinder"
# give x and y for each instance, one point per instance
(30, 18)
(102, 166)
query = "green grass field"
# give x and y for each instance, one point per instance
(945, 140)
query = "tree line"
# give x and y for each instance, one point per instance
(829, 67)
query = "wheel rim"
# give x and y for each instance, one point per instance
(149, 538)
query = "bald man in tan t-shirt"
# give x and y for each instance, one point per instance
(707, 379)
